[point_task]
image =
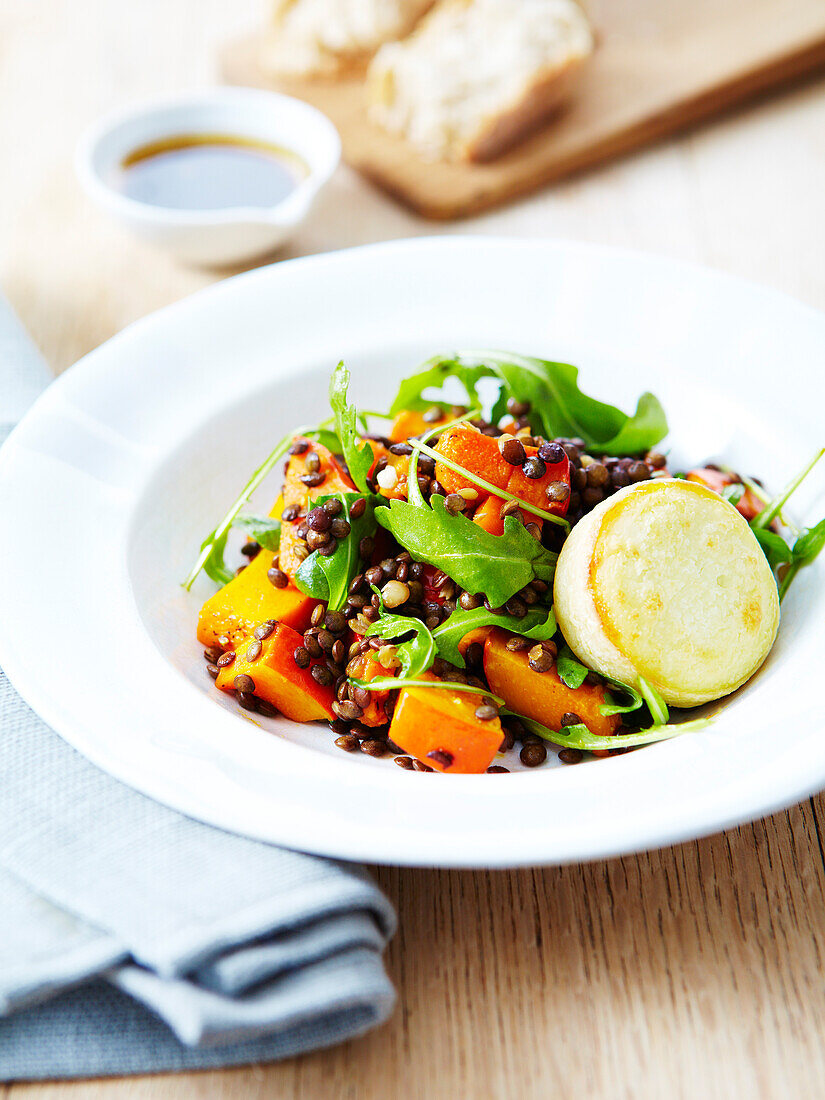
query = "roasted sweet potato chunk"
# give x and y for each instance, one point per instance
(230, 616)
(542, 696)
(277, 678)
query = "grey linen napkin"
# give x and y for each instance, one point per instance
(133, 939)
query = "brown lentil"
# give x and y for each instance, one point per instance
(277, 577)
(570, 719)
(534, 468)
(539, 659)
(265, 629)
(512, 450)
(420, 766)
(551, 453)
(319, 519)
(656, 461)
(322, 675)
(347, 710)
(316, 539)
(366, 547)
(496, 769)
(340, 528)
(254, 651)
(442, 757)
(557, 492)
(247, 700)
(571, 756)
(533, 529)
(213, 671)
(290, 513)
(517, 643)
(509, 508)
(327, 549)
(360, 696)
(474, 655)
(339, 652)
(597, 475)
(333, 507)
(325, 641)
(516, 607)
(299, 447)
(373, 748)
(405, 762)
(318, 614)
(533, 754)
(347, 742)
(638, 471)
(301, 657)
(225, 659)
(454, 504)
(486, 713)
(212, 654)
(468, 601)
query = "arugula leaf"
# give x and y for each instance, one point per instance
(328, 577)
(558, 406)
(775, 548)
(415, 655)
(433, 376)
(265, 530)
(809, 544)
(497, 565)
(580, 737)
(359, 459)
(613, 707)
(655, 703)
(571, 671)
(538, 623)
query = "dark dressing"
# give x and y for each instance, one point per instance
(210, 172)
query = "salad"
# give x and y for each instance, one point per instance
(497, 562)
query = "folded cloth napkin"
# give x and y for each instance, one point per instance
(135, 940)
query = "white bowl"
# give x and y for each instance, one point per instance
(211, 237)
(137, 451)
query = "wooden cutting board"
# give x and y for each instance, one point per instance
(659, 66)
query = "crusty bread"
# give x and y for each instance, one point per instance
(324, 37)
(477, 75)
(666, 580)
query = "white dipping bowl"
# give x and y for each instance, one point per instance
(230, 235)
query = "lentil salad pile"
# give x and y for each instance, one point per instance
(401, 587)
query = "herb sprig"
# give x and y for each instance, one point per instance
(580, 737)
(358, 456)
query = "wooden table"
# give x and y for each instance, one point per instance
(691, 972)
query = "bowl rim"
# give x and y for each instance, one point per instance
(285, 212)
(784, 779)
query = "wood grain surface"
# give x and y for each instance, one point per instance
(657, 67)
(695, 972)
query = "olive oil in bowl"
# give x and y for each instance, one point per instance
(210, 172)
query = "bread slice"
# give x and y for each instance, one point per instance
(477, 75)
(666, 580)
(326, 37)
